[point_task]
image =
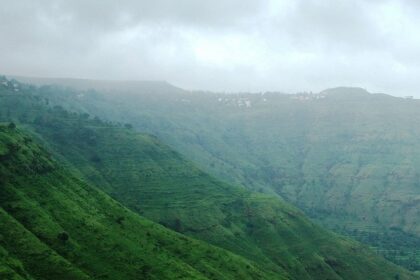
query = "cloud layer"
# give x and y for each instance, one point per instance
(236, 45)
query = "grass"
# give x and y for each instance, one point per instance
(351, 157)
(53, 225)
(149, 178)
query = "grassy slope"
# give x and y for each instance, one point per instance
(349, 160)
(40, 200)
(155, 181)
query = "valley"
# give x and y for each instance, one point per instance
(340, 156)
(265, 234)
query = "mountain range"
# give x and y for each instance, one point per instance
(101, 199)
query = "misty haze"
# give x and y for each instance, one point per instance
(185, 139)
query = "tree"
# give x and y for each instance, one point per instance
(120, 220)
(13, 148)
(129, 126)
(178, 225)
(12, 125)
(63, 236)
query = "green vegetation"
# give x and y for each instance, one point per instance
(153, 180)
(55, 226)
(156, 182)
(348, 158)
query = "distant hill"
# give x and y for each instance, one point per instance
(347, 91)
(102, 85)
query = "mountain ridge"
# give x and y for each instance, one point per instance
(145, 175)
(325, 153)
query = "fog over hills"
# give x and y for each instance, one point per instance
(60, 166)
(347, 157)
(247, 46)
(240, 139)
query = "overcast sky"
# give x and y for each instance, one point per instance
(220, 45)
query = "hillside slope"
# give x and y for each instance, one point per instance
(55, 226)
(348, 158)
(153, 180)
(157, 182)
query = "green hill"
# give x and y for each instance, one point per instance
(346, 157)
(55, 226)
(153, 180)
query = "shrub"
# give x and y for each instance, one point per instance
(11, 125)
(63, 236)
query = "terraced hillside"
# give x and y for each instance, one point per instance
(53, 225)
(158, 183)
(348, 158)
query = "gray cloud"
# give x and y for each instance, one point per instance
(218, 45)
